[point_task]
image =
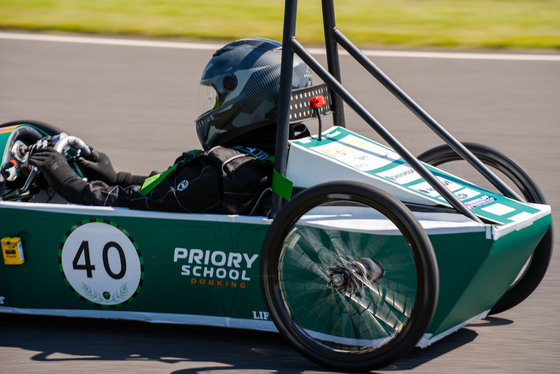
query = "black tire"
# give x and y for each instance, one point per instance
(43, 126)
(319, 293)
(535, 269)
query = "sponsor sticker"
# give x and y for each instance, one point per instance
(426, 188)
(498, 209)
(358, 153)
(402, 174)
(480, 201)
(466, 193)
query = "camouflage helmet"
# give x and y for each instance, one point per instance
(239, 91)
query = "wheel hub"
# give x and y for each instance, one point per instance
(353, 275)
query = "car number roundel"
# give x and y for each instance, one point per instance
(101, 263)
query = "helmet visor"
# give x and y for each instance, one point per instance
(207, 98)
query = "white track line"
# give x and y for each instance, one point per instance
(213, 47)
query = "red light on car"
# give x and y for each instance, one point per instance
(318, 101)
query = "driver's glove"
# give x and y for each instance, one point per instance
(97, 166)
(53, 165)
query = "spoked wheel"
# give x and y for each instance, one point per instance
(349, 276)
(535, 268)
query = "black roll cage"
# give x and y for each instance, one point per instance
(332, 77)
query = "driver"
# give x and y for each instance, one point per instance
(236, 127)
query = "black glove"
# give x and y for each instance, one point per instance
(53, 166)
(97, 166)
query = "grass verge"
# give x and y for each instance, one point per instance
(521, 24)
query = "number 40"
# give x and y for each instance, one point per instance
(86, 265)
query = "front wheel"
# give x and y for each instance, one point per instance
(534, 270)
(349, 276)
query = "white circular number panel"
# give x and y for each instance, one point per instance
(101, 263)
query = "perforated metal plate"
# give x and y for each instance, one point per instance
(300, 102)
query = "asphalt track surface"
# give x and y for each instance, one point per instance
(138, 103)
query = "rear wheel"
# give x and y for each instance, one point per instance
(535, 268)
(349, 276)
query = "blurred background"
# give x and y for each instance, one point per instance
(526, 24)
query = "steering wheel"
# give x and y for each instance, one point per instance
(17, 154)
(69, 143)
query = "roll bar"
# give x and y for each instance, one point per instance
(332, 77)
